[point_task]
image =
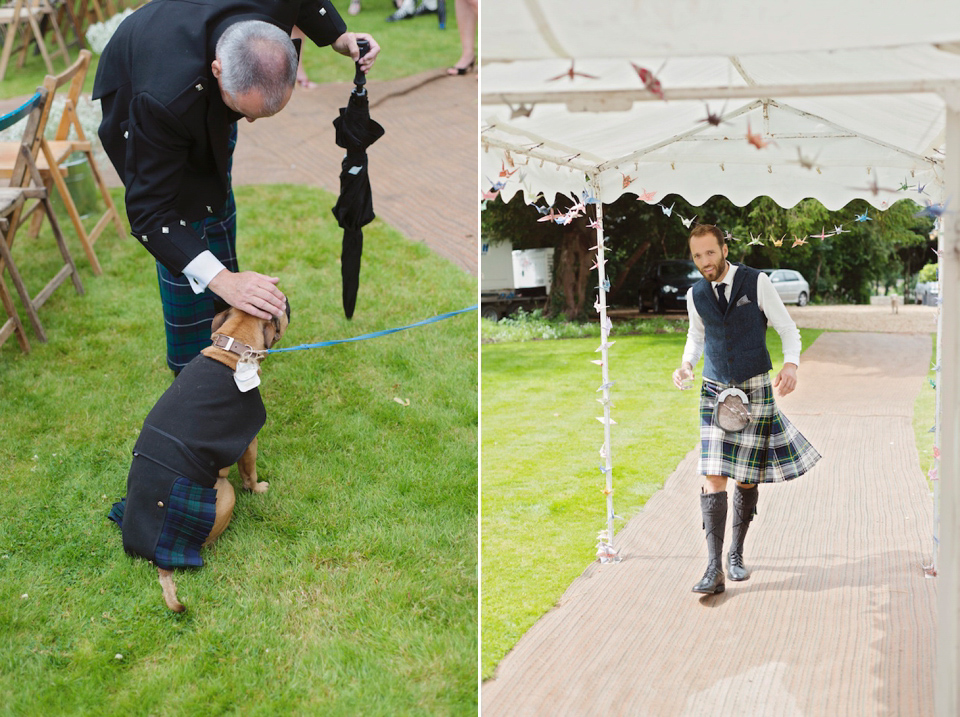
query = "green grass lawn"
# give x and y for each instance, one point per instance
(349, 588)
(541, 500)
(408, 47)
(924, 415)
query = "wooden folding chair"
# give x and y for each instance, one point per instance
(92, 10)
(56, 151)
(26, 194)
(87, 12)
(69, 21)
(25, 17)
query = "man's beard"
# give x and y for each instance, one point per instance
(717, 270)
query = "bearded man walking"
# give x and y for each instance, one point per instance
(747, 439)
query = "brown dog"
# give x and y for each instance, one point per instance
(178, 496)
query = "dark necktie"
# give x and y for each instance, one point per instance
(722, 297)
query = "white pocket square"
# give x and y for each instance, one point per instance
(743, 300)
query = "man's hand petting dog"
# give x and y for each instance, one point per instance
(257, 294)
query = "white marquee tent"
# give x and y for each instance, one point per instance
(857, 99)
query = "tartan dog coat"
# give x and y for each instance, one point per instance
(201, 424)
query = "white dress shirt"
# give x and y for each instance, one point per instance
(769, 302)
(201, 270)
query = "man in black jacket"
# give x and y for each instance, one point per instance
(173, 81)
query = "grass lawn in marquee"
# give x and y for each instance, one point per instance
(541, 499)
(349, 588)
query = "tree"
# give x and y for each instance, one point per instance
(927, 273)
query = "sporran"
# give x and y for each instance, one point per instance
(732, 413)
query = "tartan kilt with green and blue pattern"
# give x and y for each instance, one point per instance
(187, 317)
(769, 450)
(191, 510)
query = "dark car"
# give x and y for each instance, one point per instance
(664, 285)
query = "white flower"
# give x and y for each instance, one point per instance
(100, 33)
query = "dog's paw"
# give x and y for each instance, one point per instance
(258, 487)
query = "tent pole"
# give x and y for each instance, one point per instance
(946, 685)
(938, 410)
(598, 100)
(605, 359)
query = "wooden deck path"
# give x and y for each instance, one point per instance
(837, 618)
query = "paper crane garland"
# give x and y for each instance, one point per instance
(756, 139)
(714, 120)
(649, 80)
(571, 73)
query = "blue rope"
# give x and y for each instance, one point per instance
(375, 334)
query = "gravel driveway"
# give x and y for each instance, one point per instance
(911, 319)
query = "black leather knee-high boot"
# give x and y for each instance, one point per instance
(714, 509)
(744, 504)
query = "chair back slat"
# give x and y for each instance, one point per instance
(11, 118)
(33, 110)
(76, 75)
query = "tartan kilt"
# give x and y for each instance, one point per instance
(769, 450)
(187, 316)
(191, 512)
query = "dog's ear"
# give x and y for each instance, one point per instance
(219, 319)
(273, 329)
(269, 333)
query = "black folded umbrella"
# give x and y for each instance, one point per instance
(354, 208)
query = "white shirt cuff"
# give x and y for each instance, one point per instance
(201, 271)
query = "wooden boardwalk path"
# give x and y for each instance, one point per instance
(837, 618)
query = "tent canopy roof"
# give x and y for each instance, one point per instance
(606, 132)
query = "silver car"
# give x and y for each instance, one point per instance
(927, 293)
(790, 284)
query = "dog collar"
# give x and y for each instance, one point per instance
(228, 343)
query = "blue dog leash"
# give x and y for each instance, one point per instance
(375, 334)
